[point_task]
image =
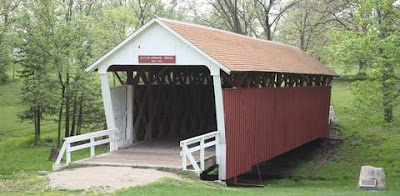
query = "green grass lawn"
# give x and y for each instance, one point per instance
(17, 152)
(281, 187)
(20, 161)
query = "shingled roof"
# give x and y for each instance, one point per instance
(241, 53)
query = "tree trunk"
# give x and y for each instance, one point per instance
(37, 124)
(387, 74)
(60, 118)
(236, 21)
(13, 73)
(362, 69)
(387, 87)
(387, 98)
(267, 27)
(73, 124)
(268, 33)
(59, 124)
(67, 96)
(80, 117)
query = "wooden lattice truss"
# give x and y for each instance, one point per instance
(170, 100)
(272, 80)
(163, 75)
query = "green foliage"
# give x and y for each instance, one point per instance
(53, 52)
(54, 41)
(308, 23)
(3, 74)
(114, 25)
(347, 50)
(373, 47)
(5, 59)
(367, 103)
(7, 17)
(34, 52)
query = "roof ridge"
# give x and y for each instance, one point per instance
(224, 31)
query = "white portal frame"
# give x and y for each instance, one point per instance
(186, 54)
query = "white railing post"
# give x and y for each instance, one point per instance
(67, 148)
(183, 155)
(92, 146)
(217, 149)
(186, 152)
(68, 153)
(111, 136)
(202, 154)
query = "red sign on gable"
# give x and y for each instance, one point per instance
(157, 59)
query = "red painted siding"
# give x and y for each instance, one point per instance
(264, 123)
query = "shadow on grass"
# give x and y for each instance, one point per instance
(302, 163)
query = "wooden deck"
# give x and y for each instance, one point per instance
(155, 153)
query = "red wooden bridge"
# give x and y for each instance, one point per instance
(241, 99)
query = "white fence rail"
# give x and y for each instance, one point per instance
(94, 139)
(189, 147)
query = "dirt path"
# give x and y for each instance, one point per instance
(105, 177)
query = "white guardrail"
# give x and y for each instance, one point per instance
(93, 141)
(189, 147)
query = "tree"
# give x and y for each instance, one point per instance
(269, 12)
(37, 92)
(145, 10)
(309, 22)
(55, 47)
(378, 45)
(33, 53)
(57, 40)
(233, 15)
(7, 19)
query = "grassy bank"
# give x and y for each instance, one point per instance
(17, 152)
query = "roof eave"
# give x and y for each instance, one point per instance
(199, 50)
(96, 64)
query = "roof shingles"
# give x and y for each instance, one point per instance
(241, 53)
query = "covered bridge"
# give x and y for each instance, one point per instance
(248, 99)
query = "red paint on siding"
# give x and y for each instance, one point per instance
(263, 123)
